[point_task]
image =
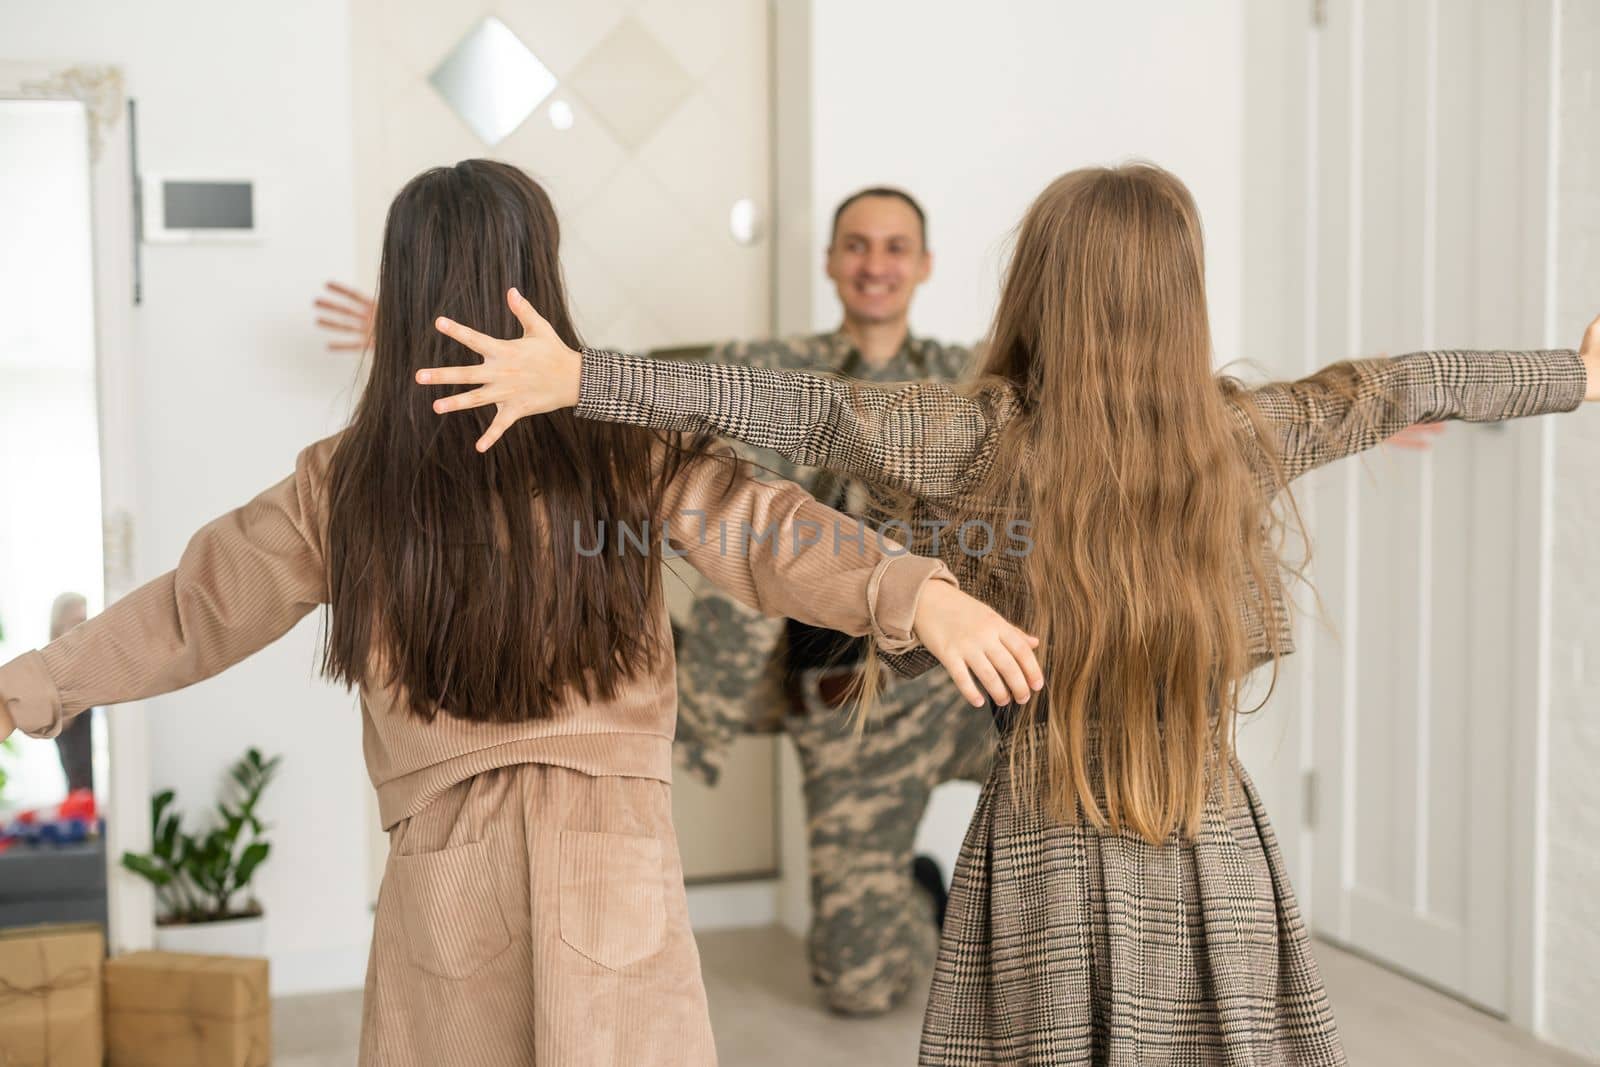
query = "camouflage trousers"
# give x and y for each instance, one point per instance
(872, 929)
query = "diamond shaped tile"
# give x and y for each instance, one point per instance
(632, 82)
(633, 227)
(705, 163)
(492, 80)
(737, 86)
(716, 289)
(595, 297)
(701, 33)
(574, 162)
(562, 31)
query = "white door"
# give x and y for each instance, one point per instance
(647, 122)
(1417, 164)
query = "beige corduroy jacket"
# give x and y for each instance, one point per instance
(246, 578)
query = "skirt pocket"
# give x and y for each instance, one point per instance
(612, 903)
(449, 911)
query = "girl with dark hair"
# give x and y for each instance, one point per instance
(503, 621)
(1120, 897)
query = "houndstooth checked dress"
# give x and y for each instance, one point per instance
(1064, 944)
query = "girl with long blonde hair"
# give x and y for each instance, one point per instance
(1120, 897)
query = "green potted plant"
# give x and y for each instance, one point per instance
(197, 877)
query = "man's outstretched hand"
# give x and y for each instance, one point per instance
(347, 316)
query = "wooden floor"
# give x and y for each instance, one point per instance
(766, 1015)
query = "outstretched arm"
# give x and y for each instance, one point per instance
(924, 438)
(774, 548)
(1349, 407)
(244, 580)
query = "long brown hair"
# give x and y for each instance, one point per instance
(1148, 521)
(455, 576)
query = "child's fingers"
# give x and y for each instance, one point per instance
(533, 324)
(1022, 646)
(978, 663)
(475, 398)
(957, 669)
(1010, 671)
(476, 374)
(502, 422)
(480, 343)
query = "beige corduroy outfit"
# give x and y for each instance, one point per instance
(532, 910)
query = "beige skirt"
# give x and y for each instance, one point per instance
(534, 915)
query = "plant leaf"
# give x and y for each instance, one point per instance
(146, 868)
(158, 805)
(166, 841)
(249, 860)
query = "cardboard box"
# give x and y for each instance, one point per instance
(172, 1009)
(50, 995)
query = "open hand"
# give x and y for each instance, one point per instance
(528, 376)
(972, 640)
(348, 318)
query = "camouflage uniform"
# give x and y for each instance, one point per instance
(872, 933)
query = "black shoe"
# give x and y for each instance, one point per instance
(925, 872)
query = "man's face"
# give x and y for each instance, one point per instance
(877, 259)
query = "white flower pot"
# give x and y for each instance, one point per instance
(230, 937)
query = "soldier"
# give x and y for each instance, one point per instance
(873, 934)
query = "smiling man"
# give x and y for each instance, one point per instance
(873, 934)
(877, 257)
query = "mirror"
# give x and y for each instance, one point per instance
(493, 82)
(52, 852)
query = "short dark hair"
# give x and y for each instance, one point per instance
(881, 190)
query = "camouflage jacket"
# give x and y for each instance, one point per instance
(730, 659)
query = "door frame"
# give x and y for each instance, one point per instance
(1532, 656)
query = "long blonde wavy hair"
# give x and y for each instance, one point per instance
(1148, 522)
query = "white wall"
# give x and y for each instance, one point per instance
(1036, 87)
(1571, 979)
(975, 108)
(231, 383)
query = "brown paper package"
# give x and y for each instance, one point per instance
(50, 995)
(171, 1009)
